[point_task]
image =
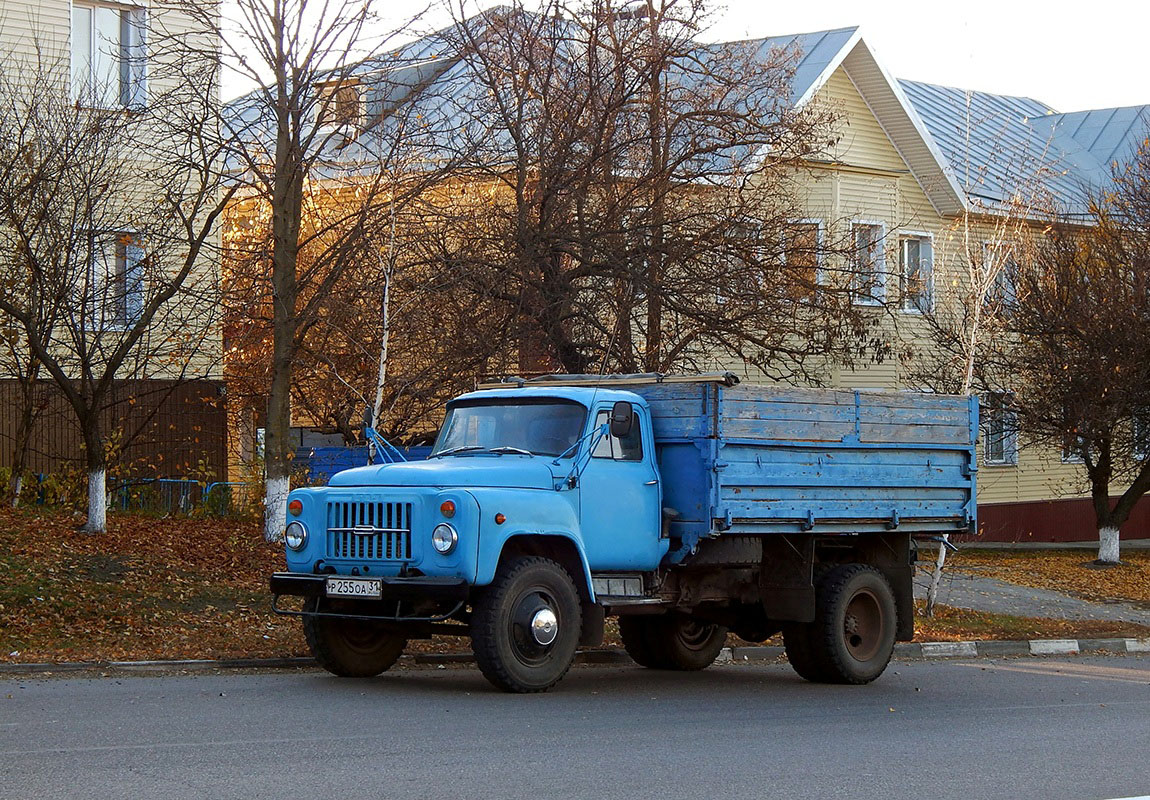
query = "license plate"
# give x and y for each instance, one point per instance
(354, 587)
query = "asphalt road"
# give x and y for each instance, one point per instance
(1028, 728)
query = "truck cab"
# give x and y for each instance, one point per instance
(546, 506)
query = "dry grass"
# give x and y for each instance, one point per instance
(197, 588)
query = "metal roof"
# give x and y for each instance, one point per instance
(966, 148)
(1000, 146)
(1108, 134)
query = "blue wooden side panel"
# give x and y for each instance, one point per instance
(764, 459)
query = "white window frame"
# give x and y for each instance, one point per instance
(920, 236)
(103, 249)
(1008, 436)
(132, 83)
(879, 266)
(329, 98)
(1069, 457)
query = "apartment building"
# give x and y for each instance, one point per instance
(164, 414)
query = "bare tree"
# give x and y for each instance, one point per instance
(631, 194)
(106, 219)
(981, 250)
(1083, 356)
(1067, 359)
(321, 145)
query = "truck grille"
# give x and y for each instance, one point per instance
(369, 531)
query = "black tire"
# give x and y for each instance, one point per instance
(852, 637)
(797, 643)
(688, 644)
(350, 648)
(672, 641)
(636, 635)
(509, 654)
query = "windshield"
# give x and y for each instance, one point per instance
(546, 428)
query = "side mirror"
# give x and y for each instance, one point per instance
(622, 418)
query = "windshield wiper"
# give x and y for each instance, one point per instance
(510, 449)
(461, 449)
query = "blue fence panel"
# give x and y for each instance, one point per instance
(323, 462)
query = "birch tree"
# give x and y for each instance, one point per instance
(985, 245)
(1065, 342)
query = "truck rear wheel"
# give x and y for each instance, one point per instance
(637, 641)
(350, 648)
(673, 641)
(852, 637)
(525, 626)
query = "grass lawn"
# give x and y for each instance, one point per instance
(197, 588)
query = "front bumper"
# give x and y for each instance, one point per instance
(448, 594)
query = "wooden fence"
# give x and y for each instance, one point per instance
(160, 429)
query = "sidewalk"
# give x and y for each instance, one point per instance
(1127, 544)
(962, 589)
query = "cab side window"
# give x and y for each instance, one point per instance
(629, 448)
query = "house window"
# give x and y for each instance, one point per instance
(340, 105)
(1003, 293)
(1141, 435)
(117, 280)
(868, 281)
(1073, 445)
(801, 253)
(742, 264)
(916, 257)
(999, 431)
(108, 57)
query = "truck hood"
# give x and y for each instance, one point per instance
(505, 471)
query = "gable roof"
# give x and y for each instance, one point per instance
(967, 149)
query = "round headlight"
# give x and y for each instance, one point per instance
(444, 538)
(295, 536)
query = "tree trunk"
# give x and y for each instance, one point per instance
(23, 431)
(936, 576)
(1108, 520)
(97, 501)
(381, 375)
(97, 466)
(277, 435)
(286, 210)
(20, 455)
(1108, 545)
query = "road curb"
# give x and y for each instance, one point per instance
(912, 651)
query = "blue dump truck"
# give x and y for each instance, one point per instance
(687, 506)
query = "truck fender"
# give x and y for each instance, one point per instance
(561, 547)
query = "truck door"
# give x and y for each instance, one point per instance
(619, 500)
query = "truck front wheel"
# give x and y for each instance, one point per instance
(525, 626)
(350, 648)
(852, 637)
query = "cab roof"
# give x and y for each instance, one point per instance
(584, 395)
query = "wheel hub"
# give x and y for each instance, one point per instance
(863, 624)
(544, 626)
